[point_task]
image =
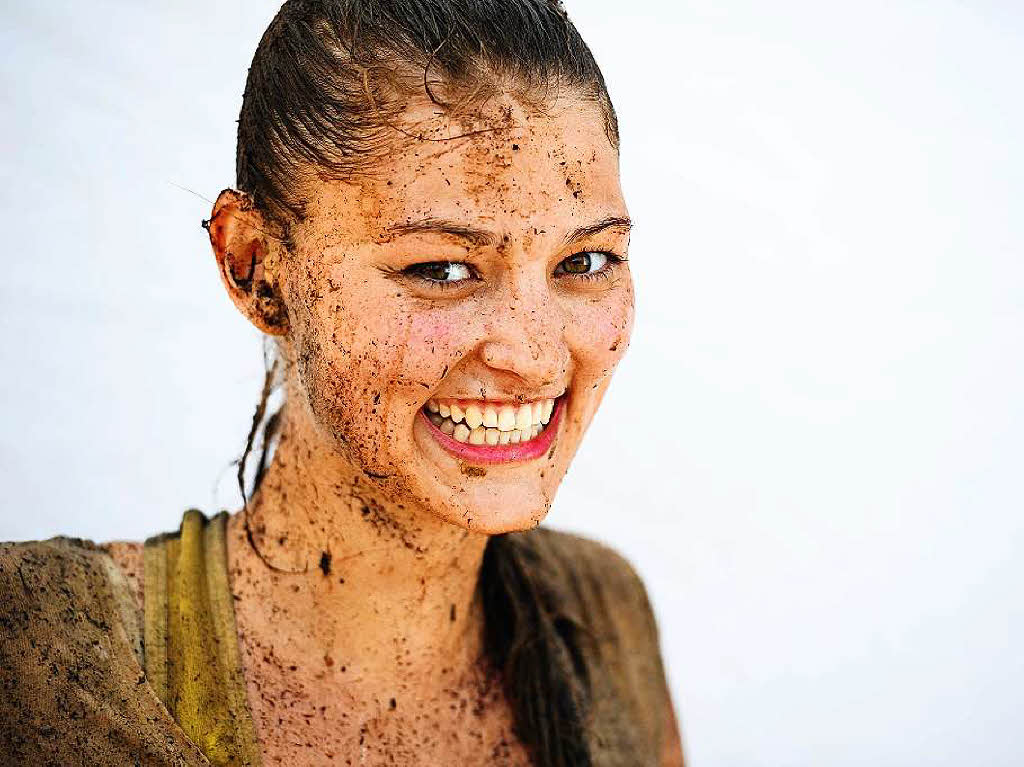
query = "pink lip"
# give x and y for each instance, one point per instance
(524, 451)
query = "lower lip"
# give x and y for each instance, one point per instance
(523, 451)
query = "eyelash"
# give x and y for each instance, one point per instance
(604, 273)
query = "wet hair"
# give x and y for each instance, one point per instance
(323, 98)
(330, 78)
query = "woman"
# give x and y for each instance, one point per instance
(429, 224)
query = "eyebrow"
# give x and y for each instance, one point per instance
(483, 237)
(605, 223)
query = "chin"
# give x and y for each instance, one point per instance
(489, 522)
(493, 510)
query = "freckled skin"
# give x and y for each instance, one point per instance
(362, 641)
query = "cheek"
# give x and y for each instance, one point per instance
(443, 337)
(358, 367)
(368, 362)
(601, 330)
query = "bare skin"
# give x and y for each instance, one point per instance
(356, 610)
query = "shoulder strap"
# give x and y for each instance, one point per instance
(192, 656)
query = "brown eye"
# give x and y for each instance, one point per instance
(584, 263)
(441, 271)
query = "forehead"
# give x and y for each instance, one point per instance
(510, 168)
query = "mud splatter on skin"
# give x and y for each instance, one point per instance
(357, 326)
(384, 658)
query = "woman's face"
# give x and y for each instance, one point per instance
(437, 310)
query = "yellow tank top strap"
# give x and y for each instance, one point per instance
(191, 645)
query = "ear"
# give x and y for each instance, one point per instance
(238, 235)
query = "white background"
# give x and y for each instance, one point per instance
(813, 450)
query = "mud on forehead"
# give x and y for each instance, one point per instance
(509, 161)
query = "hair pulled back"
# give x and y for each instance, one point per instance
(327, 84)
(330, 77)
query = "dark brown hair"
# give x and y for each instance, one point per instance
(330, 77)
(326, 86)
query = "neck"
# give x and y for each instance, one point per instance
(331, 570)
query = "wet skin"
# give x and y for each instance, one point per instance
(373, 343)
(356, 612)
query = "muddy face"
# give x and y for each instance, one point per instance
(447, 277)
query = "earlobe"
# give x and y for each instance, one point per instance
(241, 246)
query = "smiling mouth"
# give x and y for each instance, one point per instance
(494, 432)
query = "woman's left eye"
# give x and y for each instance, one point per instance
(443, 273)
(590, 264)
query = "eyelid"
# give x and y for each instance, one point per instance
(410, 272)
(611, 260)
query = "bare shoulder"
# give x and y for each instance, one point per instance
(129, 558)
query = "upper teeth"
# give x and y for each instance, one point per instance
(502, 417)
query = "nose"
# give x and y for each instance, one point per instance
(527, 334)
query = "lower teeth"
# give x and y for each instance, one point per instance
(483, 435)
